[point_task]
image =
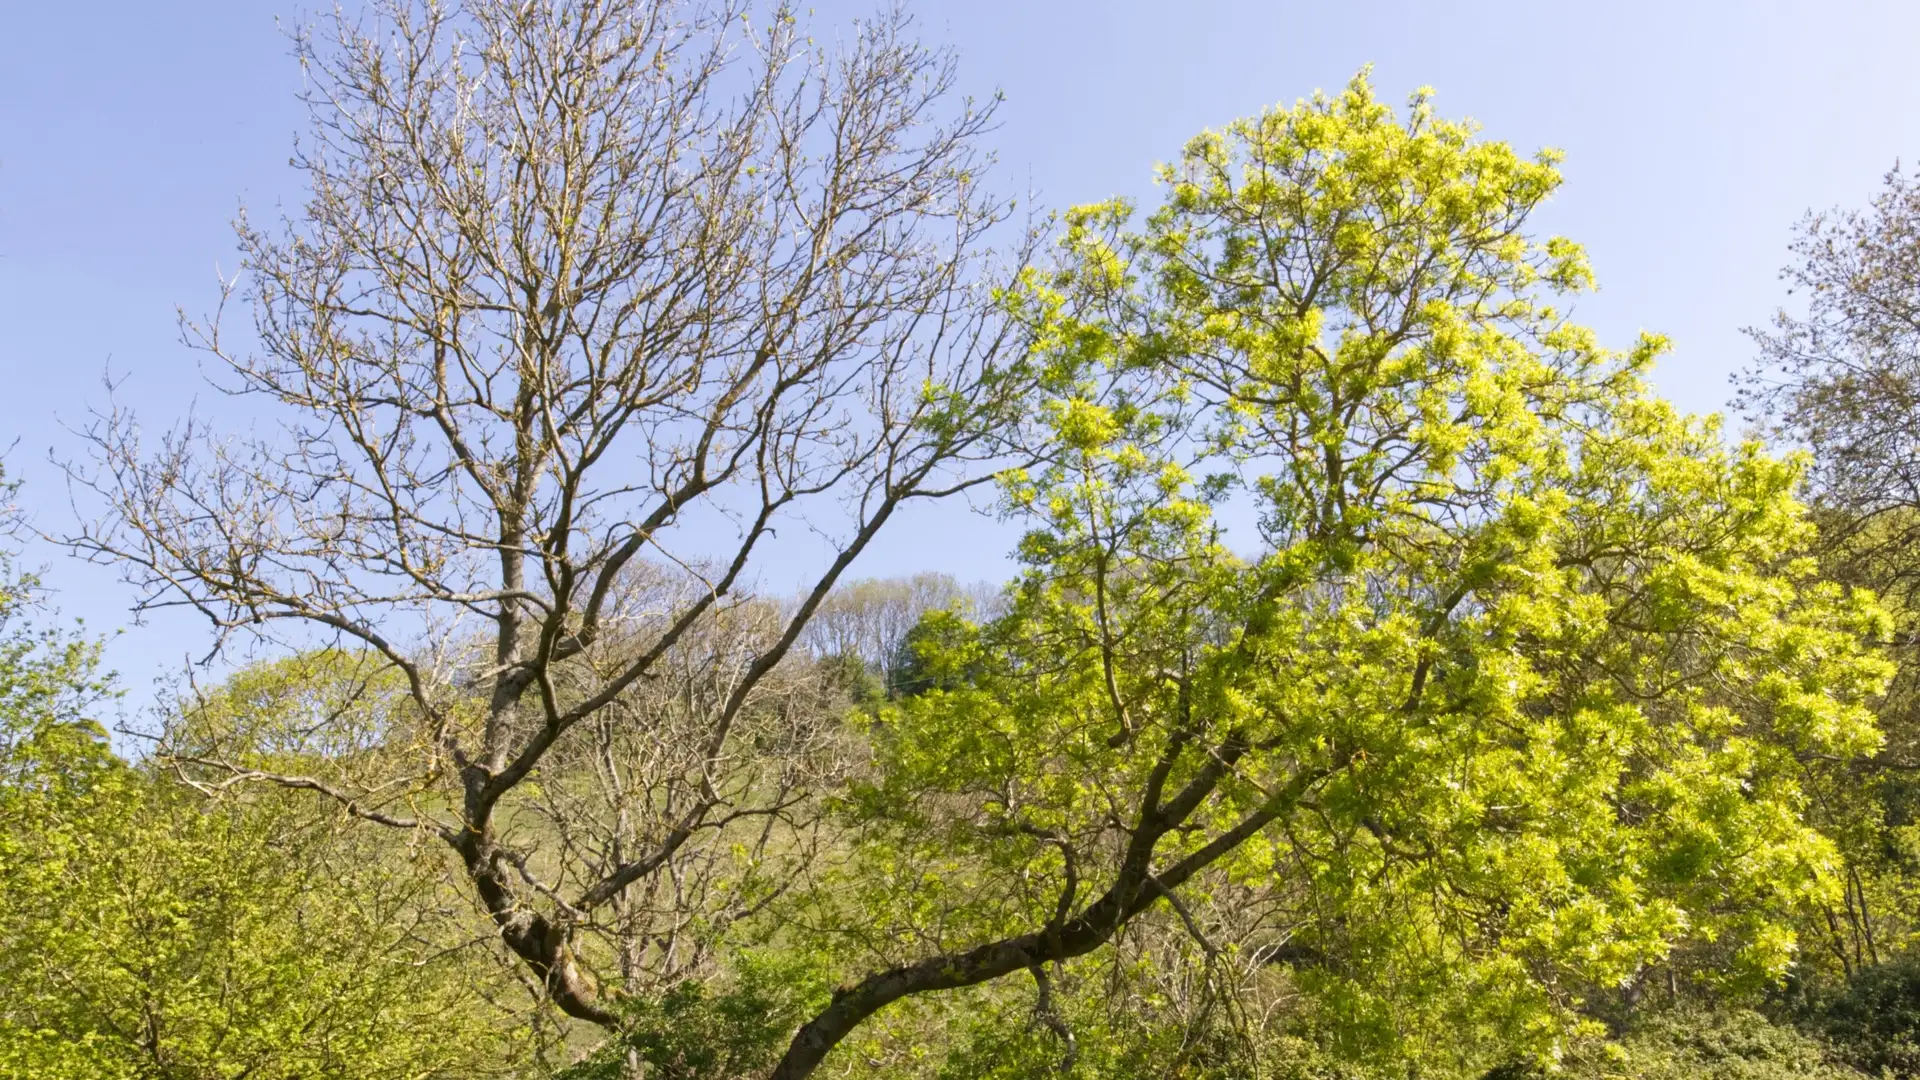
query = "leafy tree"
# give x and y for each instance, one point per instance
(1508, 708)
(925, 660)
(1840, 376)
(1874, 1018)
(147, 933)
(730, 1028)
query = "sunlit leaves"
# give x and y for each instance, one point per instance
(1541, 653)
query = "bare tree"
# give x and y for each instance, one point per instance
(1842, 377)
(870, 619)
(641, 762)
(581, 285)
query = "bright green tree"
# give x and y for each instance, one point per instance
(1502, 703)
(148, 932)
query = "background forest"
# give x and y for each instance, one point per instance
(1392, 683)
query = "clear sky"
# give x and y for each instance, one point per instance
(1696, 134)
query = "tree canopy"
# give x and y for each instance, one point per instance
(1505, 708)
(145, 932)
(1392, 684)
(590, 302)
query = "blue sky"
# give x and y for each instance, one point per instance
(1696, 134)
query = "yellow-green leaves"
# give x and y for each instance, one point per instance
(145, 930)
(1498, 695)
(1083, 425)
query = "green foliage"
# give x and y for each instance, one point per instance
(1508, 707)
(1003, 1036)
(1836, 372)
(1705, 1045)
(933, 657)
(148, 932)
(865, 688)
(732, 1030)
(1695, 1044)
(334, 710)
(1394, 687)
(1874, 1018)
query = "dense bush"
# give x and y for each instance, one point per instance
(1874, 1021)
(1696, 1044)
